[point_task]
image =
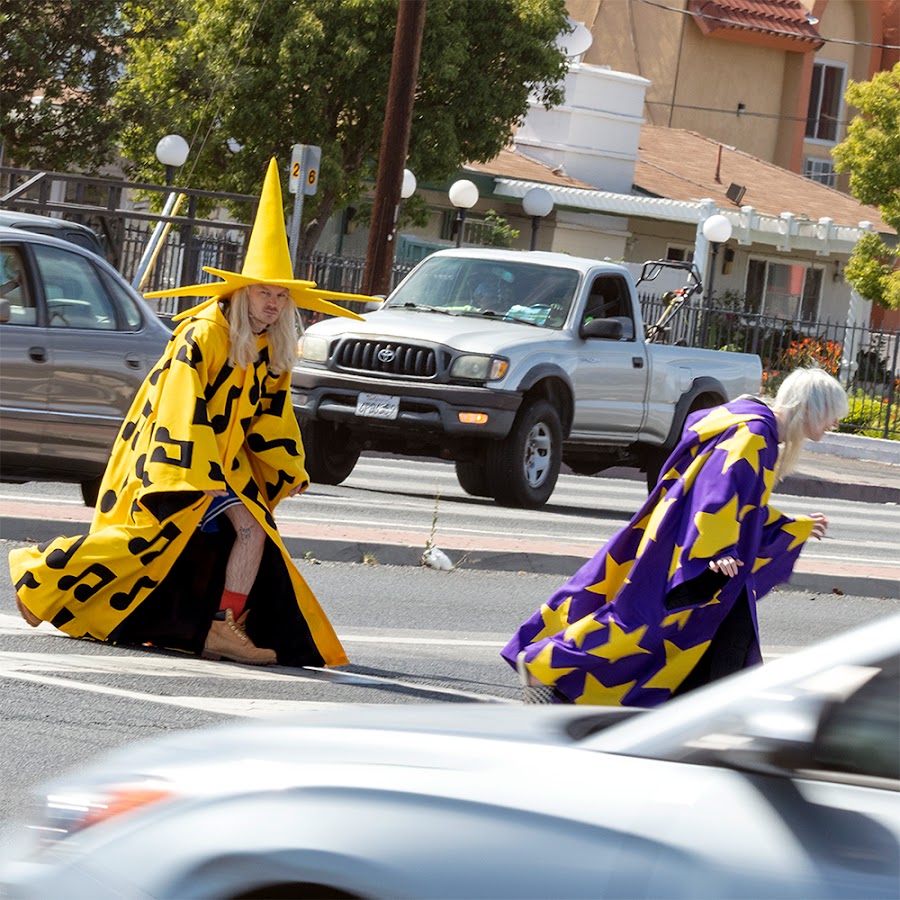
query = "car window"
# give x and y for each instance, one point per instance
(127, 304)
(14, 287)
(609, 299)
(861, 735)
(76, 297)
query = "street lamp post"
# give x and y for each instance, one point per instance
(537, 203)
(172, 151)
(717, 230)
(463, 195)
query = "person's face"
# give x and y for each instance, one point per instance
(267, 301)
(815, 431)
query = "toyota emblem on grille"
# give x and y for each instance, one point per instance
(386, 355)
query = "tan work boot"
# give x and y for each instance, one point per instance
(27, 614)
(228, 640)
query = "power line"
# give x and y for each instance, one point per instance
(700, 15)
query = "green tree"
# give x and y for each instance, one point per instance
(60, 60)
(274, 73)
(871, 154)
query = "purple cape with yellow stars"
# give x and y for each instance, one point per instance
(607, 637)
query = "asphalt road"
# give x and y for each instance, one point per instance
(414, 635)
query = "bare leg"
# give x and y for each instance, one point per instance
(246, 553)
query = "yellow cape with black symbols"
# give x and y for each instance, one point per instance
(145, 572)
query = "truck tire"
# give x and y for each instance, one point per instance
(473, 479)
(524, 466)
(331, 454)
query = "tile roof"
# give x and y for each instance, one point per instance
(682, 165)
(788, 19)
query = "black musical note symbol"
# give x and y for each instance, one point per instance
(221, 422)
(138, 545)
(59, 558)
(273, 490)
(121, 600)
(189, 352)
(85, 591)
(258, 444)
(185, 450)
(27, 581)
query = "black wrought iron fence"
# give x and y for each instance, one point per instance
(866, 360)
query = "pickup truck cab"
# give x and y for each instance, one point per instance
(508, 363)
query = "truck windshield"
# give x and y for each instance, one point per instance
(511, 291)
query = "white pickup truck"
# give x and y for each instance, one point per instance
(508, 363)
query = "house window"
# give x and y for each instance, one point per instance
(826, 94)
(679, 254)
(785, 291)
(821, 170)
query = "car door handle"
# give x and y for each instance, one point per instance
(38, 354)
(637, 362)
(132, 360)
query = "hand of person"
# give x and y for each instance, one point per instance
(727, 565)
(216, 493)
(820, 526)
(298, 490)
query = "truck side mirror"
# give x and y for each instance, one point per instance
(609, 329)
(372, 305)
(4, 310)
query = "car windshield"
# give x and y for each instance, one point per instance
(512, 291)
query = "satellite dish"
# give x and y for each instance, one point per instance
(577, 42)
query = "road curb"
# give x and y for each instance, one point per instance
(310, 549)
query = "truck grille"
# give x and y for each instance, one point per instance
(387, 357)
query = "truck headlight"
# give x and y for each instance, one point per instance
(313, 348)
(479, 368)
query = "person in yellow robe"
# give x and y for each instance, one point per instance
(183, 551)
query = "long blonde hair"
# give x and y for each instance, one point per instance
(807, 397)
(282, 334)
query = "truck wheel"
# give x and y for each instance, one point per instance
(331, 454)
(653, 463)
(473, 479)
(524, 466)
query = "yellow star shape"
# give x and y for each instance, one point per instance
(716, 530)
(542, 666)
(768, 484)
(597, 694)
(693, 470)
(718, 420)
(760, 562)
(656, 519)
(678, 663)
(675, 564)
(679, 618)
(621, 643)
(614, 576)
(578, 631)
(555, 620)
(800, 530)
(743, 444)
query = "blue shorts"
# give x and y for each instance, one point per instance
(219, 504)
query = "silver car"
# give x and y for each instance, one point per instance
(780, 782)
(75, 344)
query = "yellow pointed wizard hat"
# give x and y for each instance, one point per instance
(267, 261)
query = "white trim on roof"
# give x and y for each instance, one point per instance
(785, 232)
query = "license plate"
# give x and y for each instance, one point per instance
(377, 406)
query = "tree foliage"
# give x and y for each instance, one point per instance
(272, 73)
(871, 153)
(60, 60)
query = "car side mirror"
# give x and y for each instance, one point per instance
(4, 310)
(372, 305)
(608, 329)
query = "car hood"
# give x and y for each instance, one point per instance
(467, 333)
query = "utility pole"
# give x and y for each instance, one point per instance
(394, 145)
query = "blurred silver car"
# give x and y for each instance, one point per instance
(76, 341)
(780, 782)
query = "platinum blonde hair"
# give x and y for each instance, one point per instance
(807, 398)
(282, 334)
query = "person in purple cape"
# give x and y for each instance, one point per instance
(669, 603)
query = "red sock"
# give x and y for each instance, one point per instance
(234, 601)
